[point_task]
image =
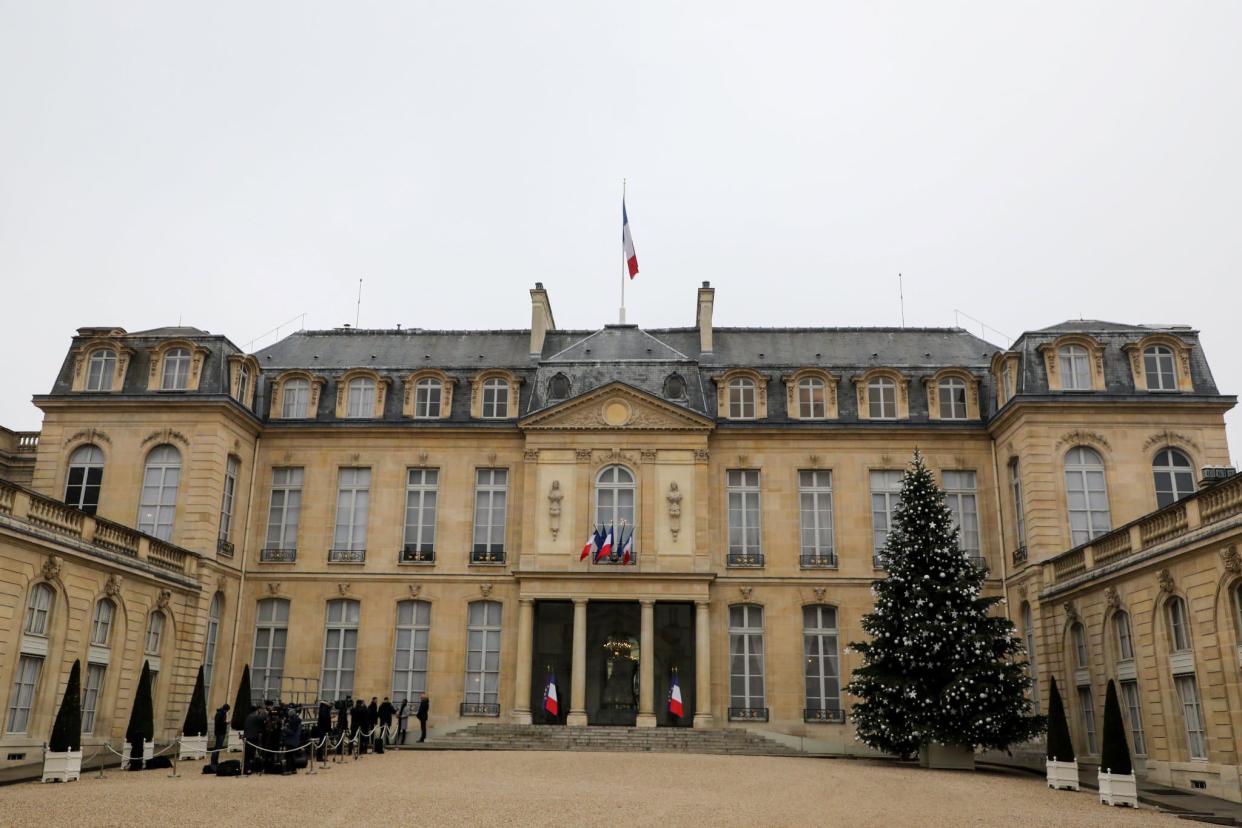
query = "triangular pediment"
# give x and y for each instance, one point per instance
(616, 407)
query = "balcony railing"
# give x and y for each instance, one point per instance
(224, 548)
(745, 560)
(748, 714)
(1019, 556)
(349, 556)
(487, 556)
(823, 715)
(278, 555)
(480, 709)
(412, 554)
(878, 561)
(818, 560)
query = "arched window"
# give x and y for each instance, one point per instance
(812, 401)
(746, 691)
(1075, 368)
(428, 394)
(176, 370)
(159, 492)
(1160, 369)
(1081, 658)
(360, 398)
(1179, 625)
(100, 370)
(1175, 476)
(85, 476)
(483, 653)
(823, 675)
(295, 399)
(674, 387)
(340, 650)
(409, 663)
(558, 387)
(495, 399)
(38, 610)
(1125, 641)
(270, 635)
(1028, 632)
(741, 398)
(952, 399)
(101, 622)
(614, 498)
(155, 633)
(881, 399)
(1087, 494)
(209, 646)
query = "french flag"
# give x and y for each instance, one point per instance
(627, 548)
(675, 707)
(551, 702)
(627, 243)
(591, 546)
(605, 548)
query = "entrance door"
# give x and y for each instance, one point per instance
(613, 660)
(551, 652)
(674, 656)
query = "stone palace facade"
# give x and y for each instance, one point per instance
(382, 512)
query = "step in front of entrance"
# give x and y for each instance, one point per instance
(632, 739)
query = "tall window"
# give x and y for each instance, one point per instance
(209, 644)
(1125, 641)
(1179, 625)
(1175, 476)
(1075, 368)
(614, 497)
(815, 516)
(84, 479)
(483, 653)
(1019, 512)
(885, 495)
(427, 396)
(409, 664)
(1192, 714)
(819, 648)
(353, 496)
(270, 635)
(491, 490)
(1081, 659)
(1028, 631)
(1088, 718)
(1087, 493)
(90, 697)
(38, 610)
(155, 633)
(746, 690)
(340, 649)
(1159, 368)
(231, 467)
(952, 399)
(176, 370)
(495, 399)
(1134, 712)
(159, 492)
(745, 536)
(100, 370)
(420, 514)
(286, 507)
(101, 622)
(812, 402)
(360, 398)
(25, 679)
(882, 399)
(243, 383)
(959, 492)
(295, 399)
(741, 398)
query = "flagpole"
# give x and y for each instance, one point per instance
(623, 262)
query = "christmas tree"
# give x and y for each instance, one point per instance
(939, 667)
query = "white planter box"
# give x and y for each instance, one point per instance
(193, 747)
(235, 741)
(1119, 789)
(946, 757)
(1062, 776)
(148, 748)
(62, 766)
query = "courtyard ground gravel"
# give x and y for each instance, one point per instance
(556, 788)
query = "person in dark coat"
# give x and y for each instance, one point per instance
(292, 738)
(403, 721)
(252, 730)
(221, 728)
(372, 719)
(423, 707)
(323, 729)
(358, 721)
(386, 712)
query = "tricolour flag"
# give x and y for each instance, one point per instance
(627, 243)
(675, 707)
(551, 702)
(627, 548)
(605, 547)
(591, 546)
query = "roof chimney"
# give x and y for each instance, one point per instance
(541, 320)
(707, 298)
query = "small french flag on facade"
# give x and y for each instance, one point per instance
(551, 702)
(675, 707)
(590, 546)
(627, 243)
(605, 548)
(627, 548)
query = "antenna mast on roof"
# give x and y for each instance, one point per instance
(358, 309)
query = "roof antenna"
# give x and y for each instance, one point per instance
(358, 309)
(901, 296)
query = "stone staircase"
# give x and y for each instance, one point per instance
(495, 736)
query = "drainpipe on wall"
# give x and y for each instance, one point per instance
(1000, 530)
(241, 584)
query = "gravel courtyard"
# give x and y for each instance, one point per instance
(504, 788)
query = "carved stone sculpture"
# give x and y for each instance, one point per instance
(674, 509)
(555, 496)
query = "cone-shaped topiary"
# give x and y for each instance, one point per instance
(196, 716)
(241, 705)
(1060, 748)
(67, 731)
(1114, 753)
(141, 718)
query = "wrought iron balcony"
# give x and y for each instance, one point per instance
(878, 560)
(818, 560)
(224, 548)
(616, 558)
(480, 709)
(748, 714)
(829, 715)
(746, 560)
(487, 555)
(278, 555)
(416, 554)
(977, 559)
(1019, 556)
(347, 555)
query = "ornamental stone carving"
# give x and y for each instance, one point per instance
(162, 600)
(485, 589)
(1113, 599)
(166, 435)
(582, 455)
(90, 435)
(51, 567)
(702, 455)
(555, 496)
(1168, 438)
(1077, 436)
(415, 589)
(1233, 561)
(820, 592)
(273, 587)
(113, 587)
(1071, 611)
(1165, 581)
(647, 455)
(531, 455)
(674, 509)
(745, 592)
(342, 588)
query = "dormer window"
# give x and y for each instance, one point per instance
(1075, 367)
(1160, 368)
(674, 387)
(360, 399)
(176, 370)
(741, 398)
(495, 399)
(295, 401)
(427, 398)
(558, 387)
(952, 399)
(882, 399)
(812, 402)
(100, 370)
(243, 384)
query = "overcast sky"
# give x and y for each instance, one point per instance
(235, 164)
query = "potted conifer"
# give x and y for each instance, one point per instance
(62, 761)
(241, 709)
(194, 731)
(1061, 764)
(141, 730)
(1118, 786)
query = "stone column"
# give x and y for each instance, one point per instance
(577, 682)
(646, 665)
(526, 635)
(702, 666)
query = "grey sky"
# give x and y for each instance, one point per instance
(236, 164)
